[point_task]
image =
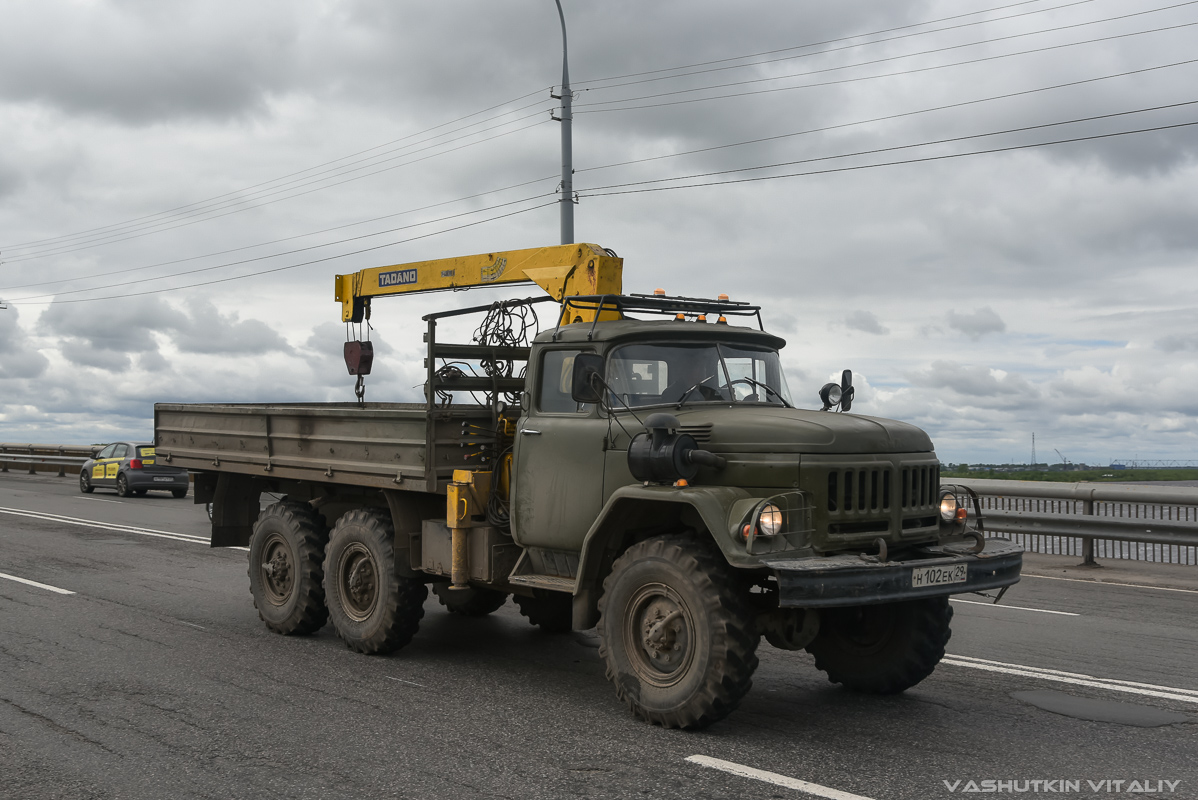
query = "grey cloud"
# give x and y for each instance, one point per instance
(140, 62)
(972, 381)
(866, 322)
(979, 323)
(206, 330)
(1177, 342)
(99, 332)
(18, 359)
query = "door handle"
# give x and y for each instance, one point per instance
(527, 432)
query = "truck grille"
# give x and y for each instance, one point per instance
(873, 489)
(864, 498)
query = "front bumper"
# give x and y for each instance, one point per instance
(848, 580)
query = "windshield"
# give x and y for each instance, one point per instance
(656, 374)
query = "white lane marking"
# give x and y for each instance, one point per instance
(100, 500)
(27, 582)
(401, 680)
(774, 778)
(1075, 678)
(110, 526)
(192, 624)
(1111, 583)
(1017, 608)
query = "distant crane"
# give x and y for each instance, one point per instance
(1064, 460)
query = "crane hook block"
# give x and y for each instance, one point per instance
(358, 357)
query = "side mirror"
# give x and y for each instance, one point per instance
(841, 395)
(585, 382)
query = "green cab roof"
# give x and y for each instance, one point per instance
(657, 330)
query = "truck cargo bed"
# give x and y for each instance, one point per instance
(382, 445)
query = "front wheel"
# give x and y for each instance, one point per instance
(678, 637)
(882, 649)
(373, 608)
(85, 483)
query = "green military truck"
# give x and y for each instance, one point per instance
(640, 467)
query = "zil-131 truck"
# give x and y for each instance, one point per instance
(640, 466)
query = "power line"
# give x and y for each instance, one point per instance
(887, 117)
(291, 266)
(226, 213)
(596, 192)
(290, 174)
(909, 146)
(860, 78)
(284, 239)
(810, 44)
(285, 253)
(846, 47)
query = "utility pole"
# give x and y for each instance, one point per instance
(1033, 449)
(567, 199)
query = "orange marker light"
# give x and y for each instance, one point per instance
(681, 483)
(659, 292)
(962, 513)
(722, 297)
(702, 318)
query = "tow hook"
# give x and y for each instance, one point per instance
(883, 552)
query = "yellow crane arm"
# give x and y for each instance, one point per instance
(567, 270)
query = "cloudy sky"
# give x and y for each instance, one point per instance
(179, 182)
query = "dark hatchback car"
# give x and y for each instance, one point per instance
(131, 468)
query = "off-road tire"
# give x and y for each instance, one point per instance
(714, 635)
(552, 612)
(882, 649)
(122, 486)
(287, 568)
(85, 483)
(178, 494)
(472, 602)
(373, 609)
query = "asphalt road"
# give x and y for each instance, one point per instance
(155, 679)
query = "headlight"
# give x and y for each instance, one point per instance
(948, 507)
(769, 521)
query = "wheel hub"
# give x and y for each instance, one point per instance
(277, 572)
(659, 631)
(359, 582)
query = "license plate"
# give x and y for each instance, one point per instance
(938, 576)
(172, 480)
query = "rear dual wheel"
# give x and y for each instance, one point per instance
(287, 568)
(373, 608)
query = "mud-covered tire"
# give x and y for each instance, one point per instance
(882, 649)
(552, 612)
(473, 602)
(709, 633)
(286, 568)
(85, 483)
(373, 609)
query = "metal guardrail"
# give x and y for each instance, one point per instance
(1148, 523)
(31, 455)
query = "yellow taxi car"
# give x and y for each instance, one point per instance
(131, 468)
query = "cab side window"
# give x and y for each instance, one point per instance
(121, 451)
(553, 393)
